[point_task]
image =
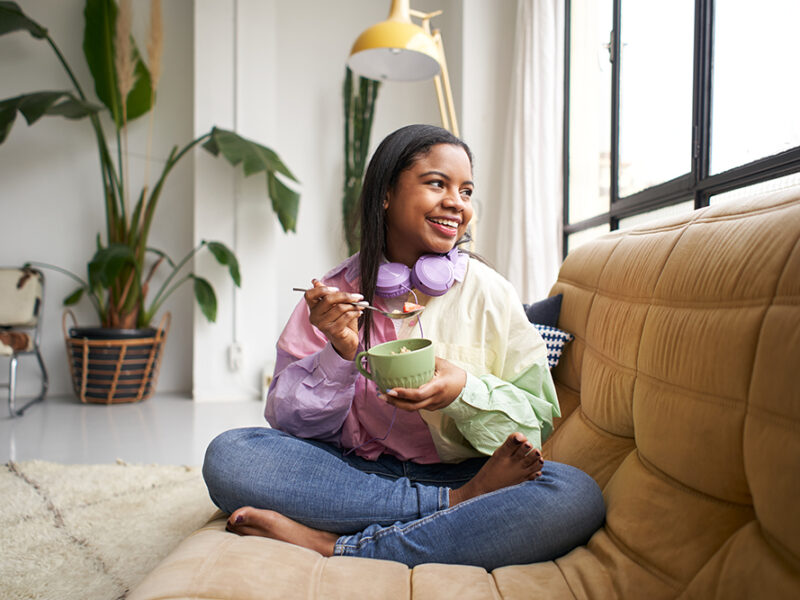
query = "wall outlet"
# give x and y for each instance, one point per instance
(235, 356)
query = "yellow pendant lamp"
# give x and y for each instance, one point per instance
(395, 49)
(399, 50)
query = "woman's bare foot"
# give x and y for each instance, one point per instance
(512, 463)
(268, 523)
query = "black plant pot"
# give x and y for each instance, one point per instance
(114, 365)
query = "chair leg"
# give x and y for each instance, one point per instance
(12, 383)
(45, 380)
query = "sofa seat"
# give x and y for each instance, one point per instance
(680, 396)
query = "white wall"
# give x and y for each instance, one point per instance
(486, 54)
(286, 94)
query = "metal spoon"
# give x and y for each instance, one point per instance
(391, 315)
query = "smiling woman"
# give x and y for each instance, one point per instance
(347, 469)
(429, 208)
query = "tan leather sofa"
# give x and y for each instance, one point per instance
(682, 396)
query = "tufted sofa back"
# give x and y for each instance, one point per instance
(683, 384)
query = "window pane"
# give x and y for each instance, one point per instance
(587, 235)
(656, 76)
(661, 213)
(756, 94)
(589, 109)
(773, 185)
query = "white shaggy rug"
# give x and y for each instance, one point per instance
(92, 532)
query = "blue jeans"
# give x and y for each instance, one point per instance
(397, 510)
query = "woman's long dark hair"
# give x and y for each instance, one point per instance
(396, 153)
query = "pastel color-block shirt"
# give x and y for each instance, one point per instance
(479, 325)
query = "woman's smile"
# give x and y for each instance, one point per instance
(448, 227)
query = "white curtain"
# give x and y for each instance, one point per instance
(530, 219)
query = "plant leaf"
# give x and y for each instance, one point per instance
(285, 202)
(8, 114)
(107, 264)
(73, 108)
(236, 149)
(98, 47)
(206, 298)
(34, 106)
(13, 19)
(224, 257)
(140, 98)
(256, 158)
(74, 297)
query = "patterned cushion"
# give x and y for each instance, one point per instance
(555, 339)
(20, 297)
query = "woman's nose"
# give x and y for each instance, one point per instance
(453, 199)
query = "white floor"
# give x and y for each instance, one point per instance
(165, 429)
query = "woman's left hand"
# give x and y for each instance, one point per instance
(447, 383)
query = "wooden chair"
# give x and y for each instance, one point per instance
(21, 310)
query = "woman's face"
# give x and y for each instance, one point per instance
(429, 208)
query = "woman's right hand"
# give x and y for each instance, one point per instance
(334, 315)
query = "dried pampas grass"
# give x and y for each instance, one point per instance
(155, 42)
(123, 50)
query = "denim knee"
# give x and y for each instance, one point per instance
(594, 496)
(591, 505)
(221, 457)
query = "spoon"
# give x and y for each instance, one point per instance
(392, 315)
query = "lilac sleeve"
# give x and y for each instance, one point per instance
(310, 397)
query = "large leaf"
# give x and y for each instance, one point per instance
(34, 106)
(285, 202)
(235, 148)
(98, 47)
(206, 298)
(74, 297)
(256, 158)
(107, 264)
(13, 19)
(227, 258)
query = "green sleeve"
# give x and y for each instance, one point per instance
(490, 409)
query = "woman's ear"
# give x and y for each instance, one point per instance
(386, 201)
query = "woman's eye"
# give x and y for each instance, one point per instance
(436, 183)
(467, 192)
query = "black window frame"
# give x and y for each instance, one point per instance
(698, 184)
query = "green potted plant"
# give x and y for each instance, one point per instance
(120, 273)
(359, 96)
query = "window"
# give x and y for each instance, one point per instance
(670, 106)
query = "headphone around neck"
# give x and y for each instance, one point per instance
(433, 274)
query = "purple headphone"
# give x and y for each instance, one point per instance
(433, 274)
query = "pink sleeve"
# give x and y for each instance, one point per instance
(313, 387)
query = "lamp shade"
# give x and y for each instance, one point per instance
(395, 50)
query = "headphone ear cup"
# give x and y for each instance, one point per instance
(433, 274)
(394, 279)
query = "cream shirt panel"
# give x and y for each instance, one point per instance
(480, 326)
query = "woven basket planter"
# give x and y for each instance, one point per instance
(110, 366)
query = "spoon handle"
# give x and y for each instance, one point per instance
(362, 303)
(365, 304)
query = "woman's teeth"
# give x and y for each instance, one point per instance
(446, 222)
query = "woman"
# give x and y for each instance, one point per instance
(449, 472)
